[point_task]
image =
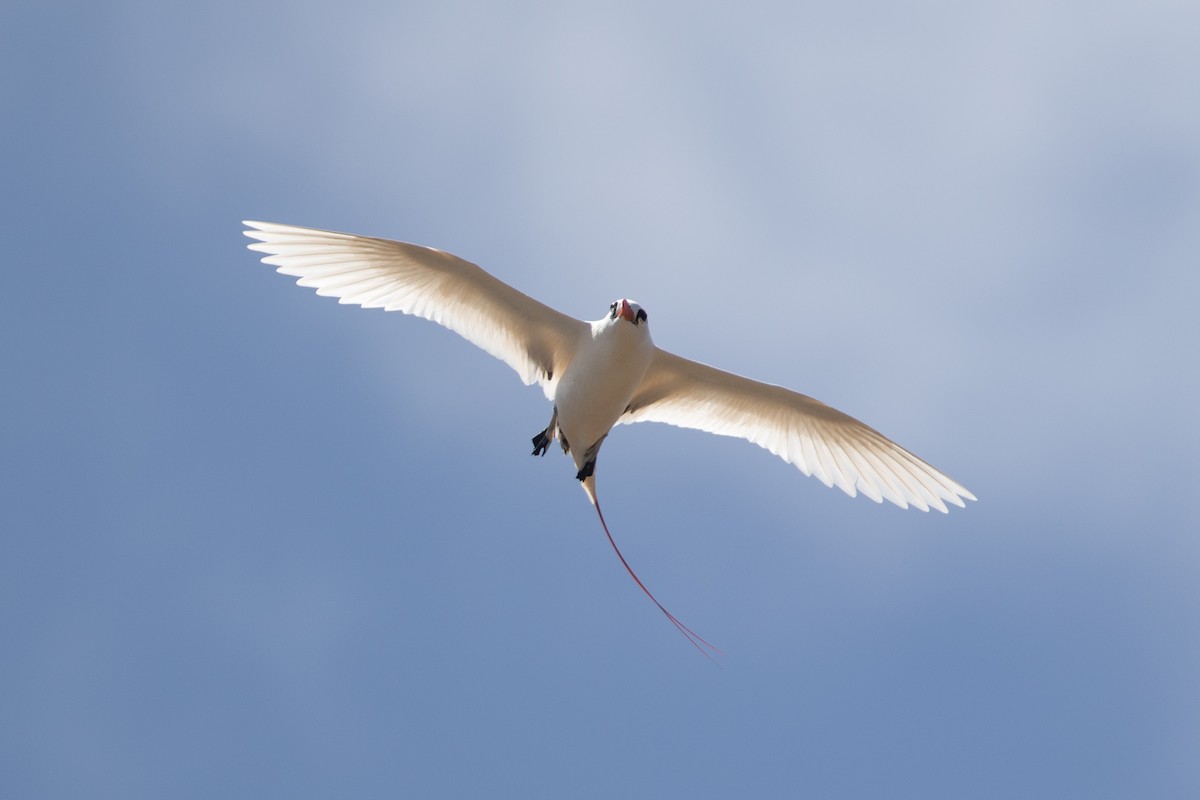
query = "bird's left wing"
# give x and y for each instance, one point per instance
(820, 440)
(530, 337)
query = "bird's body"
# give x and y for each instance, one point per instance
(597, 386)
(598, 374)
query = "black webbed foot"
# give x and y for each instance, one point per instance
(586, 471)
(541, 443)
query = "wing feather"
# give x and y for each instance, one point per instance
(532, 338)
(822, 441)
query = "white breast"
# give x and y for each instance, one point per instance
(598, 384)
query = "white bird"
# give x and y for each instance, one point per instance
(602, 373)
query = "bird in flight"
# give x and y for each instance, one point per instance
(602, 373)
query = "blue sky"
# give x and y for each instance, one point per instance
(255, 543)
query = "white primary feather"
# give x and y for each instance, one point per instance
(822, 441)
(532, 338)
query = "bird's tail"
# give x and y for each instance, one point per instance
(697, 641)
(589, 488)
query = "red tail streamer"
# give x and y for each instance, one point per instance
(693, 638)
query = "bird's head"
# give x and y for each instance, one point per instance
(628, 311)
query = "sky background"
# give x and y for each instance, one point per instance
(255, 544)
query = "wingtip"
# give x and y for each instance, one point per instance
(955, 499)
(253, 230)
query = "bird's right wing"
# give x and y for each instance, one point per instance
(820, 440)
(532, 338)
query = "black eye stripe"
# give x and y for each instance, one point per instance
(639, 316)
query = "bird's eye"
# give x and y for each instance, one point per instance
(642, 316)
(612, 310)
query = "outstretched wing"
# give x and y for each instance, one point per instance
(821, 441)
(532, 338)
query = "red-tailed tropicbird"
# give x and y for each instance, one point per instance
(602, 373)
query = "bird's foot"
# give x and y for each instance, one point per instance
(589, 460)
(541, 442)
